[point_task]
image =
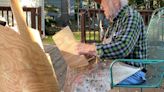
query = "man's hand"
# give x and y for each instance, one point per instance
(88, 50)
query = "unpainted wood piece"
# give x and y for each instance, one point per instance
(26, 32)
(66, 43)
(24, 66)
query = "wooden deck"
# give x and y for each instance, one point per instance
(60, 70)
(58, 63)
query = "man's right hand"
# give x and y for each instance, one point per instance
(88, 50)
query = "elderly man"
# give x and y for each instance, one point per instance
(126, 37)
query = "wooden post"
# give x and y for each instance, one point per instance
(82, 20)
(40, 19)
(33, 18)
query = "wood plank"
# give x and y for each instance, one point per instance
(159, 90)
(20, 68)
(66, 42)
(123, 89)
(33, 18)
(40, 19)
(61, 80)
(26, 32)
(20, 19)
(115, 90)
(149, 90)
(134, 89)
(58, 63)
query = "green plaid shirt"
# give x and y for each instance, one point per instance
(128, 37)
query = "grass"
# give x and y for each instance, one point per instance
(90, 36)
(49, 40)
(77, 35)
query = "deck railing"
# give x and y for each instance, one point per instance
(33, 16)
(89, 23)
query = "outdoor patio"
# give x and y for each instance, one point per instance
(88, 32)
(60, 70)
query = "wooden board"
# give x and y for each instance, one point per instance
(26, 32)
(20, 18)
(66, 42)
(24, 66)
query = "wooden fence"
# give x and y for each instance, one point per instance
(89, 23)
(33, 16)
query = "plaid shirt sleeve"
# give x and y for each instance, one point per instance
(124, 40)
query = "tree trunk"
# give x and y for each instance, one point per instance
(64, 12)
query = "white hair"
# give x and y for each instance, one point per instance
(123, 2)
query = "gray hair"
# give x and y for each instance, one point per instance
(123, 2)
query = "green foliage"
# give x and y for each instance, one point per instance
(141, 4)
(50, 22)
(51, 8)
(138, 2)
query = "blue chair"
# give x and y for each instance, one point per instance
(155, 62)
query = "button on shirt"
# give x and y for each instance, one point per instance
(128, 37)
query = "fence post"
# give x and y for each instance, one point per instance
(39, 19)
(33, 18)
(82, 21)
